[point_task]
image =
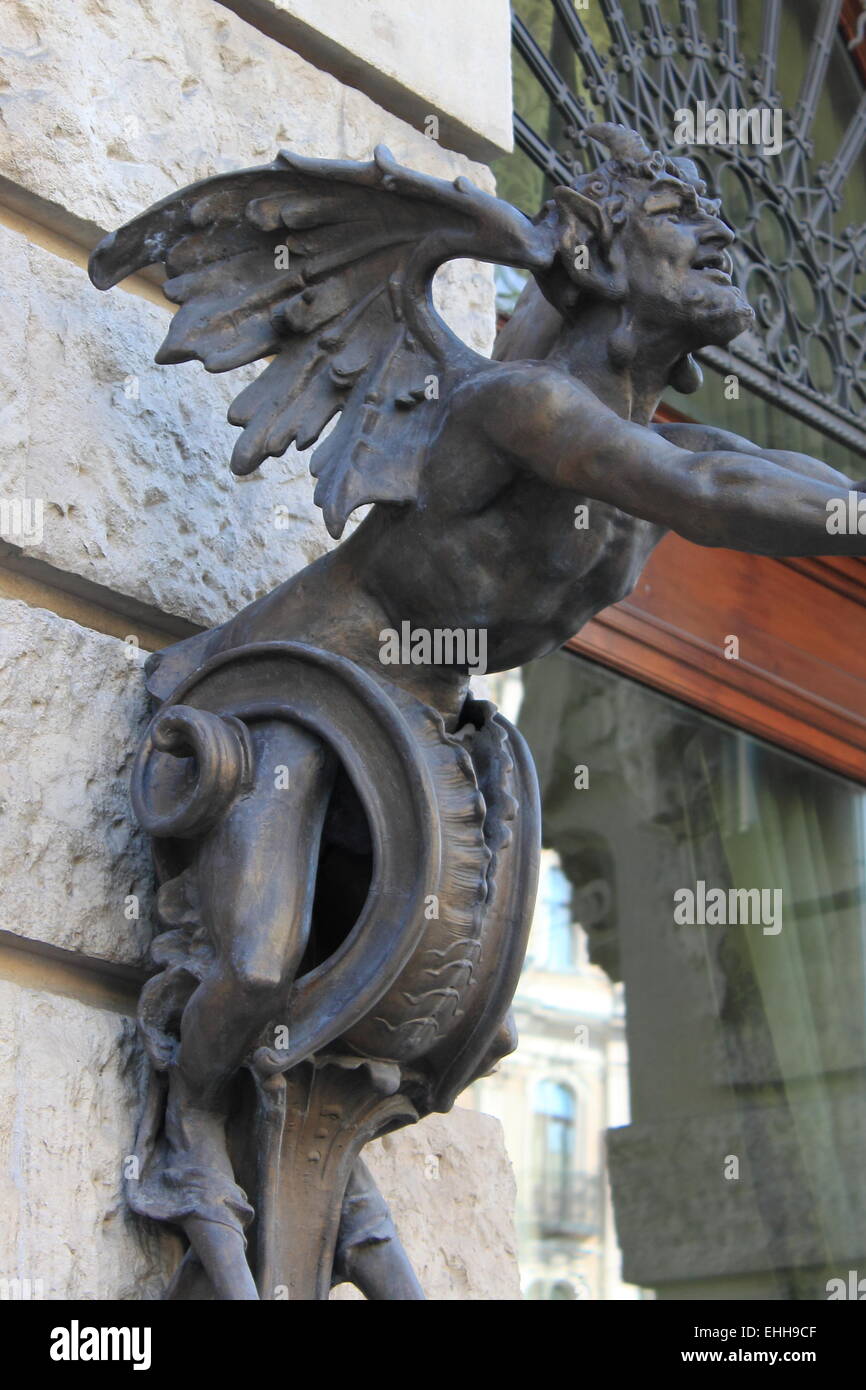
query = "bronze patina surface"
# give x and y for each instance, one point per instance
(347, 850)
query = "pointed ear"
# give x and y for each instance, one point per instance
(585, 224)
(584, 218)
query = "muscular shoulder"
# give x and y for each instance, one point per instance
(513, 400)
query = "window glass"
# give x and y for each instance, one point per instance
(809, 302)
(696, 1082)
(745, 413)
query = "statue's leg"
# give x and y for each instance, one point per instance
(256, 876)
(369, 1252)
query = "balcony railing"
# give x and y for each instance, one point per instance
(564, 1205)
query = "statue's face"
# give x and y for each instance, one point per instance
(678, 266)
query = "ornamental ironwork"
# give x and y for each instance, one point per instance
(799, 258)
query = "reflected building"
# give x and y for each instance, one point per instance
(726, 1103)
(568, 1082)
(557, 1096)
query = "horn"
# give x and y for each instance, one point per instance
(623, 144)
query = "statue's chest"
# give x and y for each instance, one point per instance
(599, 545)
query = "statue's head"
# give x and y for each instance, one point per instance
(641, 231)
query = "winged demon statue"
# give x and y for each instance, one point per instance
(347, 850)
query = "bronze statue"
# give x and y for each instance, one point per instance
(347, 849)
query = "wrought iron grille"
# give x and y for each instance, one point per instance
(799, 257)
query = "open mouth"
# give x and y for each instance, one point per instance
(717, 265)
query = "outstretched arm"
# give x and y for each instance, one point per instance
(726, 493)
(697, 438)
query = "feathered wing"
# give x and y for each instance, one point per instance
(326, 267)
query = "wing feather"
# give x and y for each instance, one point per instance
(324, 266)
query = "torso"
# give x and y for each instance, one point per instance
(487, 546)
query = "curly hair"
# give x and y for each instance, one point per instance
(535, 325)
(633, 160)
(611, 186)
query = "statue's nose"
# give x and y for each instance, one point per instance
(717, 231)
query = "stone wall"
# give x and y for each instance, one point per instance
(106, 106)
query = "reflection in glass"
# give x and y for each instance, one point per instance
(705, 1142)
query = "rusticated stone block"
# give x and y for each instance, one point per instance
(70, 1078)
(451, 1190)
(69, 1098)
(131, 460)
(118, 105)
(73, 867)
(449, 59)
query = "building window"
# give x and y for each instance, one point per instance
(746, 1031)
(561, 951)
(555, 1112)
